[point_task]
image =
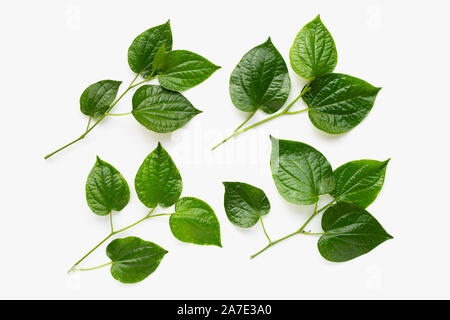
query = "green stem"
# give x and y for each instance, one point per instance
(243, 123)
(264, 229)
(118, 114)
(89, 123)
(98, 267)
(110, 222)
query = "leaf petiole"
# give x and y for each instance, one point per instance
(264, 229)
(98, 267)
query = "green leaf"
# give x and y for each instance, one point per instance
(244, 203)
(144, 47)
(313, 53)
(161, 59)
(98, 97)
(359, 182)
(184, 70)
(134, 259)
(301, 173)
(106, 189)
(161, 110)
(338, 102)
(194, 221)
(158, 181)
(260, 80)
(350, 232)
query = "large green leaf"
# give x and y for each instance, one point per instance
(338, 102)
(106, 189)
(98, 97)
(194, 221)
(350, 232)
(244, 203)
(301, 173)
(313, 53)
(260, 80)
(161, 110)
(144, 47)
(134, 259)
(158, 181)
(359, 182)
(184, 70)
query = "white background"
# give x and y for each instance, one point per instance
(52, 50)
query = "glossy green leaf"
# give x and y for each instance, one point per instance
(338, 102)
(184, 70)
(359, 182)
(106, 189)
(158, 181)
(313, 53)
(162, 110)
(98, 97)
(301, 173)
(350, 232)
(194, 221)
(161, 59)
(260, 80)
(134, 259)
(144, 47)
(244, 203)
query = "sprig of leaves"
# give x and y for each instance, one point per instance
(335, 102)
(158, 183)
(160, 108)
(301, 175)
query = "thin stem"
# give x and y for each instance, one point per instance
(312, 233)
(297, 112)
(89, 123)
(98, 267)
(111, 222)
(118, 114)
(243, 123)
(87, 254)
(264, 229)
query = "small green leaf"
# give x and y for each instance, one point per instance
(244, 203)
(106, 189)
(359, 182)
(338, 102)
(161, 59)
(260, 80)
(162, 110)
(350, 232)
(301, 173)
(313, 53)
(184, 70)
(134, 259)
(158, 181)
(144, 47)
(98, 97)
(194, 221)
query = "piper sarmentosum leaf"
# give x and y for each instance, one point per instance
(98, 97)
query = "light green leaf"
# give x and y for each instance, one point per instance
(301, 173)
(194, 221)
(161, 59)
(98, 97)
(350, 232)
(106, 189)
(158, 181)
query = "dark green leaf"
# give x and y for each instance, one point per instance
(260, 80)
(143, 49)
(359, 182)
(301, 173)
(98, 97)
(338, 102)
(158, 181)
(194, 221)
(313, 53)
(106, 189)
(161, 59)
(133, 259)
(350, 232)
(184, 70)
(244, 203)
(162, 110)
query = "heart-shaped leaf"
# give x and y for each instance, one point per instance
(313, 53)
(98, 97)
(134, 259)
(339, 102)
(158, 181)
(162, 110)
(194, 221)
(144, 47)
(350, 232)
(359, 182)
(184, 70)
(301, 173)
(260, 80)
(106, 189)
(244, 203)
